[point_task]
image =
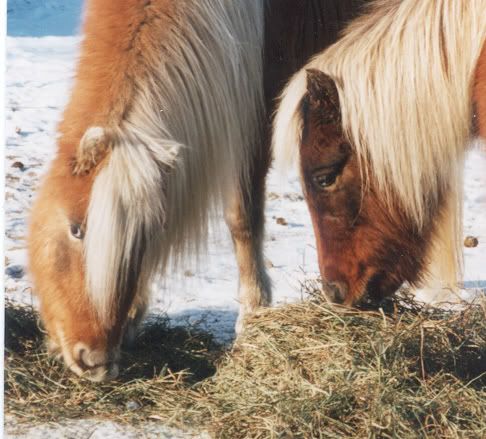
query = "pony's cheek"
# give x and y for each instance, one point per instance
(337, 210)
(62, 257)
(337, 206)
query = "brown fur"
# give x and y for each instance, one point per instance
(362, 245)
(297, 30)
(404, 73)
(480, 93)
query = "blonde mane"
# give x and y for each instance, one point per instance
(404, 73)
(184, 141)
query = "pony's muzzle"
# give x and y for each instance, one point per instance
(94, 365)
(336, 292)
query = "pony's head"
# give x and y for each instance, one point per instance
(364, 245)
(57, 253)
(384, 185)
(88, 237)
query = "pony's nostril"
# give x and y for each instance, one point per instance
(93, 364)
(103, 372)
(336, 291)
(87, 358)
(80, 356)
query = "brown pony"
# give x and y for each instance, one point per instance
(380, 121)
(166, 122)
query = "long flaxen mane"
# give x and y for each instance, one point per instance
(404, 72)
(180, 133)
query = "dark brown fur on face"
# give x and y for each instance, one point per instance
(363, 246)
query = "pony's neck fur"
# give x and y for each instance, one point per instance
(179, 142)
(404, 73)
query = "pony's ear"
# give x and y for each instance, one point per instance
(92, 148)
(323, 96)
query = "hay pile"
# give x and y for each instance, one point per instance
(303, 370)
(162, 361)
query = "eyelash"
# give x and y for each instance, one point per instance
(324, 180)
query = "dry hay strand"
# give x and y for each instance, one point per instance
(313, 370)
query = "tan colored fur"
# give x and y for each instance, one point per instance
(176, 87)
(186, 140)
(93, 148)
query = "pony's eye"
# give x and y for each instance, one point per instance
(324, 180)
(76, 231)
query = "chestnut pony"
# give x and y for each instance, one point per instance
(380, 121)
(166, 122)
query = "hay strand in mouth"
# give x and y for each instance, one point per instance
(302, 370)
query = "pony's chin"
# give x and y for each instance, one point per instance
(98, 374)
(102, 373)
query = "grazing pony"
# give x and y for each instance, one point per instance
(166, 122)
(380, 121)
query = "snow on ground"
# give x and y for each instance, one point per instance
(39, 73)
(94, 429)
(475, 216)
